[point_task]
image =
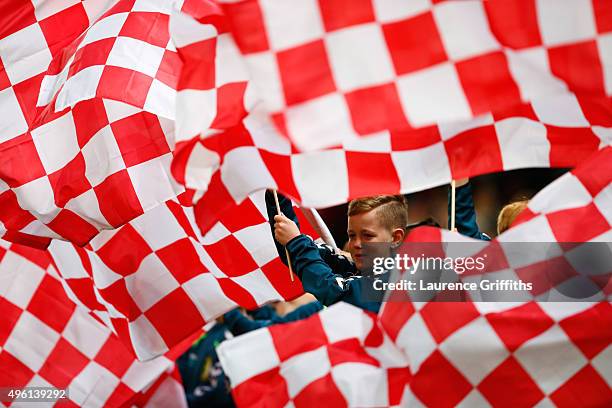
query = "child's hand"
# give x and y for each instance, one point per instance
(461, 182)
(284, 229)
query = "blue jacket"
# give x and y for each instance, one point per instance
(238, 323)
(330, 277)
(465, 214)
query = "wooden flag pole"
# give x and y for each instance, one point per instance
(278, 211)
(453, 187)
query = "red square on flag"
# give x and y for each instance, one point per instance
(510, 385)
(168, 325)
(140, 138)
(231, 256)
(124, 252)
(151, 28)
(305, 72)
(414, 43)
(579, 65)
(506, 16)
(338, 14)
(246, 21)
(475, 151)
(586, 388)
(368, 168)
(63, 364)
(487, 83)
(16, 374)
(72, 226)
(20, 162)
(375, 109)
(69, 181)
(182, 260)
(49, 305)
(117, 199)
(125, 85)
(114, 357)
(437, 366)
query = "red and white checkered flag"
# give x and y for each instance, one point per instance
(521, 353)
(553, 130)
(331, 71)
(46, 340)
(481, 353)
(137, 277)
(89, 140)
(339, 356)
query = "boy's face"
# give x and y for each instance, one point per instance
(366, 228)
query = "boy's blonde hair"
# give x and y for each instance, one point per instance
(392, 209)
(508, 214)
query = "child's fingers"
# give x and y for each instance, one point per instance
(280, 218)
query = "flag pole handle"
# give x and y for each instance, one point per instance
(278, 211)
(453, 188)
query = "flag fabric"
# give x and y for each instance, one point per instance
(167, 391)
(369, 66)
(519, 353)
(213, 79)
(156, 280)
(390, 163)
(90, 142)
(221, 130)
(339, 356)
(46, 340)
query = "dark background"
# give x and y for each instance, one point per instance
(491, 193)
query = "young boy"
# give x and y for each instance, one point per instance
(331, 277)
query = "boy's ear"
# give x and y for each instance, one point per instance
(398, 236)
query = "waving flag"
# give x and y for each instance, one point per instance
(332, 71)
(46, 340)
(95, 149)
(556, 128)
(156, 280)
(519, 353)
(343, 358)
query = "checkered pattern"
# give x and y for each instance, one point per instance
(96, 153)
(375, 65)
(559, 132)
(211, 90)
(481, 353)
(125, 56)
(339, 356)
(32, 34)
(521, 353)
(134, 278)
(167, 391)
(93, 167)
(503, 354)
(47, 340)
